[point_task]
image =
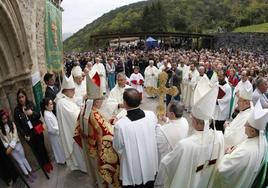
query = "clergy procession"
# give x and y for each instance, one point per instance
(209, 132)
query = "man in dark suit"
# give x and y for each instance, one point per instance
(174, 79)
(52, 89)
(130, 64)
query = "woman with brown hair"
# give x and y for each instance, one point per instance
(31, 128)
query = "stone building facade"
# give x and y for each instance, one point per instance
(253, 42)
(22, 47)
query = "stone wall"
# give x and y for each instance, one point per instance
(255, 42)
(22, 47)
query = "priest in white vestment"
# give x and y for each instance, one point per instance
(240, 165)
(114, 104)
(185, 69)
(258, 94)
(222, 108)
(190, 87)
(234, 132)
(202, 74)
(67, 114)
(192, 162)
(100, 69)
(243, 84)
(80, 86)
(175, 128)
(135, 142)
(151, 76)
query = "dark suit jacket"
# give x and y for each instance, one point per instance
(50, 93)
(175, 79)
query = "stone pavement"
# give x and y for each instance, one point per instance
(62, 177)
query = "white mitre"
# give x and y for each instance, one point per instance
(258, 117)
(68, 83)
(205, 100)
(77, 71)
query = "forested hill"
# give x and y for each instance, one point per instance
(201, 16)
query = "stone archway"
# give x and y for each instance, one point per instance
(15, 58)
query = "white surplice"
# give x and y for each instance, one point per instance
(100, 69)
(180, 165)
(223, 108)
(167, 137)
(240, 168)
(67, 114)
(151, 76)
(234, 133)
(137, 77)
(53, 135)
(135, 142)
(185, 70)
(80, 92)
(190, 87)
(115, 97)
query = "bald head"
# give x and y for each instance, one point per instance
(131, 98)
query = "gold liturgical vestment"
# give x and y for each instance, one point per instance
(100, 146)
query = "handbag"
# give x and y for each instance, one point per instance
(38, 129)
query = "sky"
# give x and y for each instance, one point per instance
(78, 13)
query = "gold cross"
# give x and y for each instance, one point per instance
(161, 91)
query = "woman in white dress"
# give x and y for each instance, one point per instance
(11, 141)
(53, 130)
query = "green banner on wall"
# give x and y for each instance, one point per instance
(53, 37)
(37, 89)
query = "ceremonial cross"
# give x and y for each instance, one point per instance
(161, 91)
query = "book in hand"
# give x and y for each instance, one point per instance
(221, 93)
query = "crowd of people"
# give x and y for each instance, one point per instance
(95, 123)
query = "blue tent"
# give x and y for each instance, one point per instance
(151, 43)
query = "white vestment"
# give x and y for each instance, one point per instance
(214, 78)
(100, 69)
(53, 135)
(180, 165)
(80, 92)
(190, 87)
(185, 70)
(223, 108)
(234, 133)
(67, 114)
(110, 107)
(135, 142)
(167, 137)
(151, 76)
(198, 78)
(240, 168)
(137, 78)
(247, 86)
(258, 95)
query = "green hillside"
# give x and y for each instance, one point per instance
(263, 28)
(173, 15)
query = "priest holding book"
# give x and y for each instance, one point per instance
(221, 113)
